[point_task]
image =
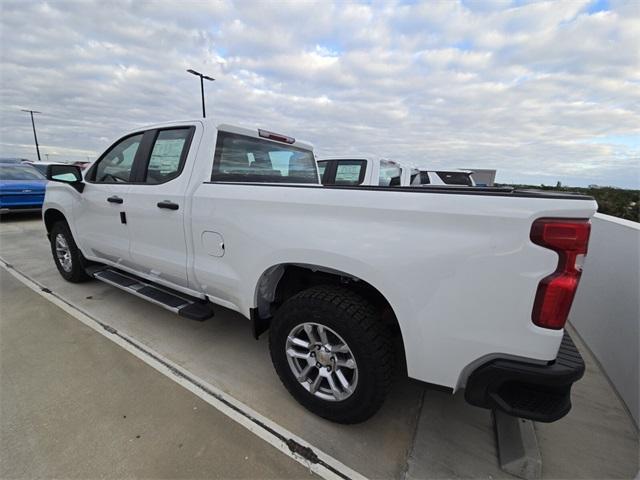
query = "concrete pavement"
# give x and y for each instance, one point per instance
(75, 405)
(419, 433)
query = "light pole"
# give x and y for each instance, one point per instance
(202, 78)
(34, 130)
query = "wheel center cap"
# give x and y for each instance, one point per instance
(324, 357)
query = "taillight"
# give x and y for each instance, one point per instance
(569, 238)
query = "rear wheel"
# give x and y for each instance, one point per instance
(66, 255)
(332, 353)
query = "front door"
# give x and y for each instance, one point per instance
(100, 218)
(156, 207)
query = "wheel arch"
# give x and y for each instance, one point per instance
(282, 281)
(51, 216)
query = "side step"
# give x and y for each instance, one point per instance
(183, 305)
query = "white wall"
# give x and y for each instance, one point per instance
(606, 310)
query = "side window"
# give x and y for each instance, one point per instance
(115, 166)
(390, 174)
(419, 178)
(240, 158)
(350, 172)
(167, 156)
(455, 178)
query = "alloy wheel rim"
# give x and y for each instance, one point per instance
(321, 361)
(63, 253)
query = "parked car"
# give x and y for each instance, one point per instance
(12, 160)
(466, 288)
(21, 188)
(40, 166)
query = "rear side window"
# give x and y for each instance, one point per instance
(350, 172)
(168, 154)
(390, 174)
(239, 158)
(455, 178)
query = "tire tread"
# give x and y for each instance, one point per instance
(369, 337)
(78, 273)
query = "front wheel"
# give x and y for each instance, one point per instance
(332, 353)
(66, 255)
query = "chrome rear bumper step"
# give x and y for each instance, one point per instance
(184, 305)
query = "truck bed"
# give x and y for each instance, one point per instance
(447, 189)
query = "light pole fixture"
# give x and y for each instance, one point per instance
(202, 78)
(35, 137)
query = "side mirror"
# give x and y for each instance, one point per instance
(66, 174)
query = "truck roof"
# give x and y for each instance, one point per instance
(240, 130)
(265, 135)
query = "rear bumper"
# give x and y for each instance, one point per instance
(535, 391)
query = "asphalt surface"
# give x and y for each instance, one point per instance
(76, 405)
(419, 433)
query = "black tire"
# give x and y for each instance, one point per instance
(76, 272)
(355, 320)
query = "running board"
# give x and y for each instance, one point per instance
(183, 305)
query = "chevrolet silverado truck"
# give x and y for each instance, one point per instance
(463, 288)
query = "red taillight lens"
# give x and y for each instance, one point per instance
(569, 238)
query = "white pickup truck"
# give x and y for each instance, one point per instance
(462, 287)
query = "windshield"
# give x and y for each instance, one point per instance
(19, 172)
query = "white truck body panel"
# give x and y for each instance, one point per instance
(458, 269)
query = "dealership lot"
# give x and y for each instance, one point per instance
(419, 433)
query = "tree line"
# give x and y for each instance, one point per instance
(618, 202)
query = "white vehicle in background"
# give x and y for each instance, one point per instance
(442, 177)
(386, 173)
(461, 287)
(363, 171)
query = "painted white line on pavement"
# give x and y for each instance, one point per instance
(291, 445)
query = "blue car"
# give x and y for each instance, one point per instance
(21, 188)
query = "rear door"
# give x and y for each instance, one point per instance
(156, 206)
(99, 216)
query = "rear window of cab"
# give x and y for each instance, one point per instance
(239, 158)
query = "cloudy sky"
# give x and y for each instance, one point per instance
(541, 91)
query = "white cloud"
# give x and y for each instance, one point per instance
(536, 90)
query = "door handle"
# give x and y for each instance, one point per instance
(168, 205)
(115, 199)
